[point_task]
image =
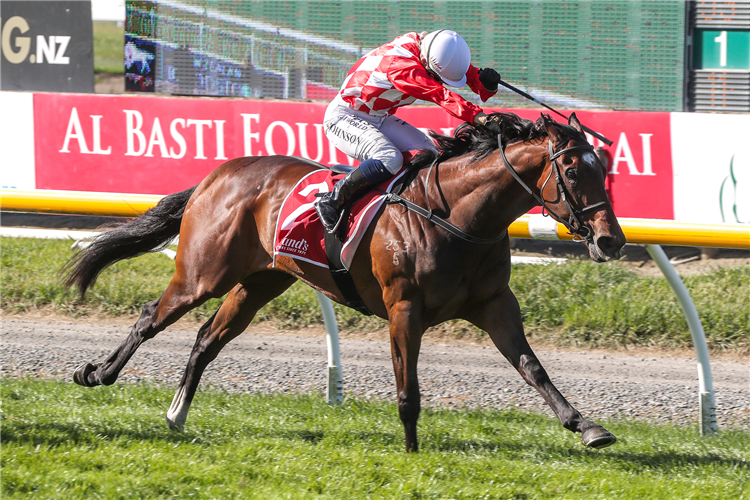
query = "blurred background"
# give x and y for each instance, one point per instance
(647, 55)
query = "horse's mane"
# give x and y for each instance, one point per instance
(469, 138)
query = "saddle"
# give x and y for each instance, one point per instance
(300, 235)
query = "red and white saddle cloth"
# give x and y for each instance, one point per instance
(299, 232)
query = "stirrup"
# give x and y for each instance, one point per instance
(335, 228)
(326, 203)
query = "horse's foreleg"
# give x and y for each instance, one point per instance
(406, 335)
(155, 317)
(501, 319)
(232, 318)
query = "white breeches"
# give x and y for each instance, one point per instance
(362, 136)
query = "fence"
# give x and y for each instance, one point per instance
(618, 54)
(644, 231)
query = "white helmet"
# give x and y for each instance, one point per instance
(448, 55)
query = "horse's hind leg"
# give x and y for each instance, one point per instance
(216, 252)
(501, 319)
(157, 315)
(232, 318)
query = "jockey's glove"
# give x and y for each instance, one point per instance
(489, 78)
(493, 124)
(490, 122)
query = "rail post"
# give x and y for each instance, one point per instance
(707, 403)
(335, 379)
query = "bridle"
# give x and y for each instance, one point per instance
(575, 227)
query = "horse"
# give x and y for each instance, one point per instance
(476, 184)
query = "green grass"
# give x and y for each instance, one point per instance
(577, 303)
(64, 441)
(109, 44)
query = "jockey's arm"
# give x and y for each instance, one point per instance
(476, 85)
(413, 80)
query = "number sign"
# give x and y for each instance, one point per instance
(721, 50)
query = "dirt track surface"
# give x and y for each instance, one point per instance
(601, 385)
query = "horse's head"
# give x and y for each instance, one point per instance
(574, 190)
(569, 177)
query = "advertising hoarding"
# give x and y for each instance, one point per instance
(677, 166)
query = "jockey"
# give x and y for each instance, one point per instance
(360, 122)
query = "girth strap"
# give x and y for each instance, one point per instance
(341, 276)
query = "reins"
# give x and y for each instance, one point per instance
(394, 199)
(574, 225)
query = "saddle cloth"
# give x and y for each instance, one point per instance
(300, 234)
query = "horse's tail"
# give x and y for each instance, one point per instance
(150, 232)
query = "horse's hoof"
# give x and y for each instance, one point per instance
(81, 374)
(173, 425)
(597, 437)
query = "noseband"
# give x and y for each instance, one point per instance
(574, 225)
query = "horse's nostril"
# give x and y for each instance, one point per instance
(607, 244)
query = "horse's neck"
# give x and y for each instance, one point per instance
(483, 196)
(530, 162)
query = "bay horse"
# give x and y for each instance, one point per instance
(474, 184)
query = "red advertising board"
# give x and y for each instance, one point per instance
(640, 162)
(156, 145)
(159, 145)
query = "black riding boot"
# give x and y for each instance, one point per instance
(329, 205)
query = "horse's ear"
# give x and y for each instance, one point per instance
(552, 131)
(573, 122)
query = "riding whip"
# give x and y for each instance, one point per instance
(532, 98)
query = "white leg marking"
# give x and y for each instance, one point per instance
(178, 410)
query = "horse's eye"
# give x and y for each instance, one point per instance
(571, 174)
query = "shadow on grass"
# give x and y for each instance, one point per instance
(334, 438)
(54, 434)
(660, 460)
(669, 460)
(657, 460)
(307, 436)
(71, 433)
